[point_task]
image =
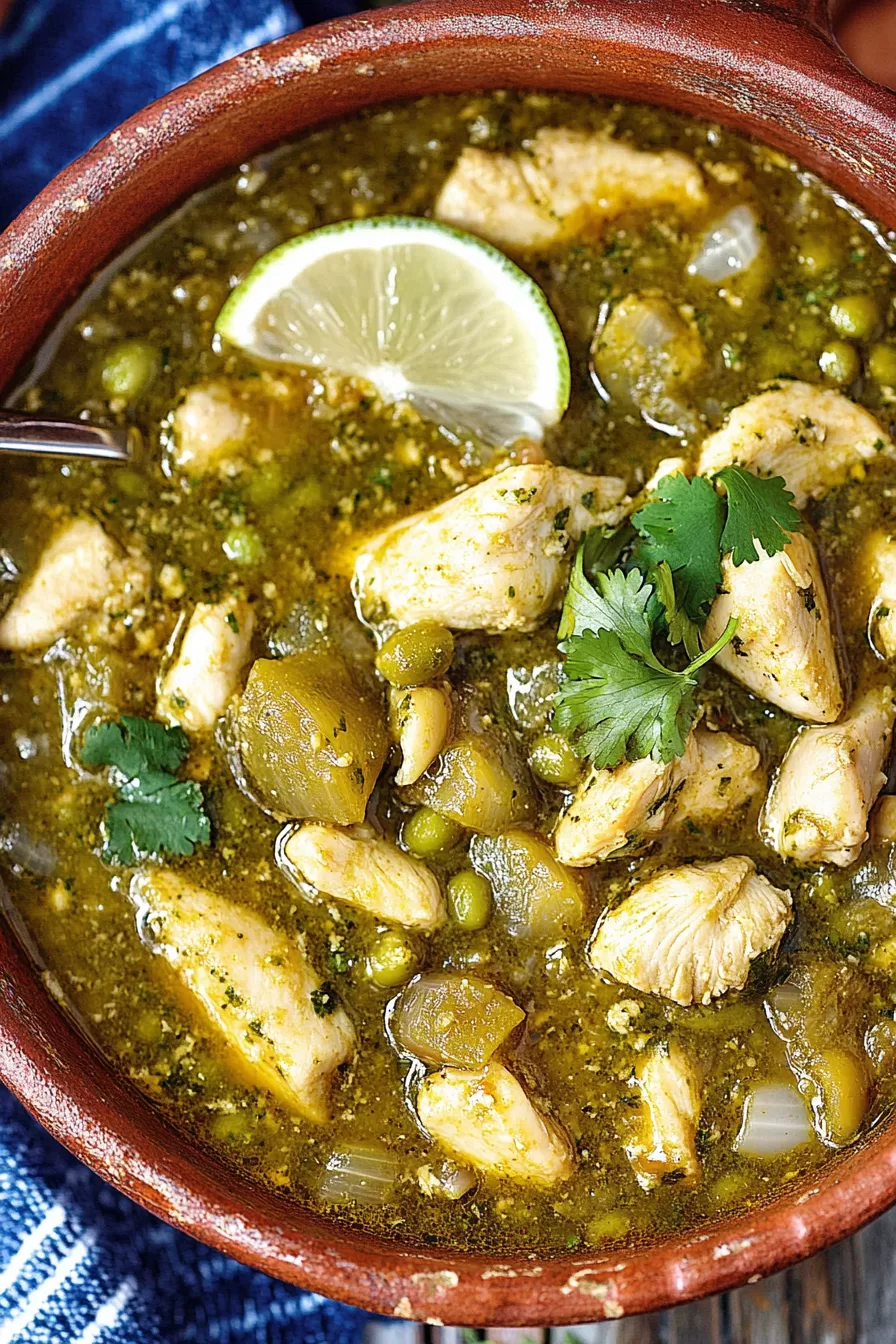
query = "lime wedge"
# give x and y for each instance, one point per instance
(426, 313)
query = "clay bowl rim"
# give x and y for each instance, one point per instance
(698, 58)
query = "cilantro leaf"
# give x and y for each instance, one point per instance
(135, 746)
(680, 629)
(615, 601)
(603, 548)
(618, 705)
(760, 509)
(153, 812)
(682, 527)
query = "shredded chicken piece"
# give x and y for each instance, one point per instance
(629, 806)
(725, 774)
(690, 933)
(495, 557)
(82, 570)
(206, 671)
(812, 436)
(563, 182)
(421, 723)
(665, 1145)
(209, 428)
(817, 810)
(485, 1118)
(784, 649)
(613, 809)
(253, 983)
(879, 559)
(368, 873)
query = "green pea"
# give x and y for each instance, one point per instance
(470, 899)
(856, 316)
(265, 485)
(243, 545)
(417, 654)
(391, 960)
(839, 362)
(427, 833)
(809, 332)
(775, 358)
(882, 363)
(817, 254)
(553, 760)
(130, 483)
(129, 369)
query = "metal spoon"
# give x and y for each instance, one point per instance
(40, 436)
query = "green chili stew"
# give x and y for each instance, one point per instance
(466, 814)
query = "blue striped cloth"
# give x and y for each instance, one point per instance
(79, 1263)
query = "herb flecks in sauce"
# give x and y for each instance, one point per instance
(257, 484)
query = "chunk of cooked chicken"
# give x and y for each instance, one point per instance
(882, 825)
(690, 933)
(879, 563)
(254, 985)
(612, 809)
(369, 873)
(628, 806)
(82, 570)
(724, 775)
(210, 660)
(420, 718)
(665, 1143)
(784, 649)
(810, 435)
(485, 1118)
(817, 810)
(562, 182)
(495, 557)
(209, 427)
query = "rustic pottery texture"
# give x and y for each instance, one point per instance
(771, 69)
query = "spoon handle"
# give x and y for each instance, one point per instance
(40, 436)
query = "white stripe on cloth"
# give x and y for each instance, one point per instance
(52, 1219)
(37, 1300)
(109, 1313)
(92, 61)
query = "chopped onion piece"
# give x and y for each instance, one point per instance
(366, 1175)
(731, 245)
(775, 1121)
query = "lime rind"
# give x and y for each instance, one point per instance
(429, 315)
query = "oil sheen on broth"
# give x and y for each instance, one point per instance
(653, 1110)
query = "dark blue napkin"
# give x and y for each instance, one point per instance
(79, 1263)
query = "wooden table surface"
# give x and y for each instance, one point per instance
(846, 1295)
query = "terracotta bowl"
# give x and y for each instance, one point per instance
(769, 69)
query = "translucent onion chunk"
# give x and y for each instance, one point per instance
(728, 247)
(775, 1121)
(365, 1174)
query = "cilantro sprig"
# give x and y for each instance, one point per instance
(656, 579)
(153, 812)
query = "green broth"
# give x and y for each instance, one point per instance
(326, 464)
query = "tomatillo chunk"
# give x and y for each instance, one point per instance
(470, 900)
(427, 833)
(312, 738)
(417, 654)
(391, 961)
